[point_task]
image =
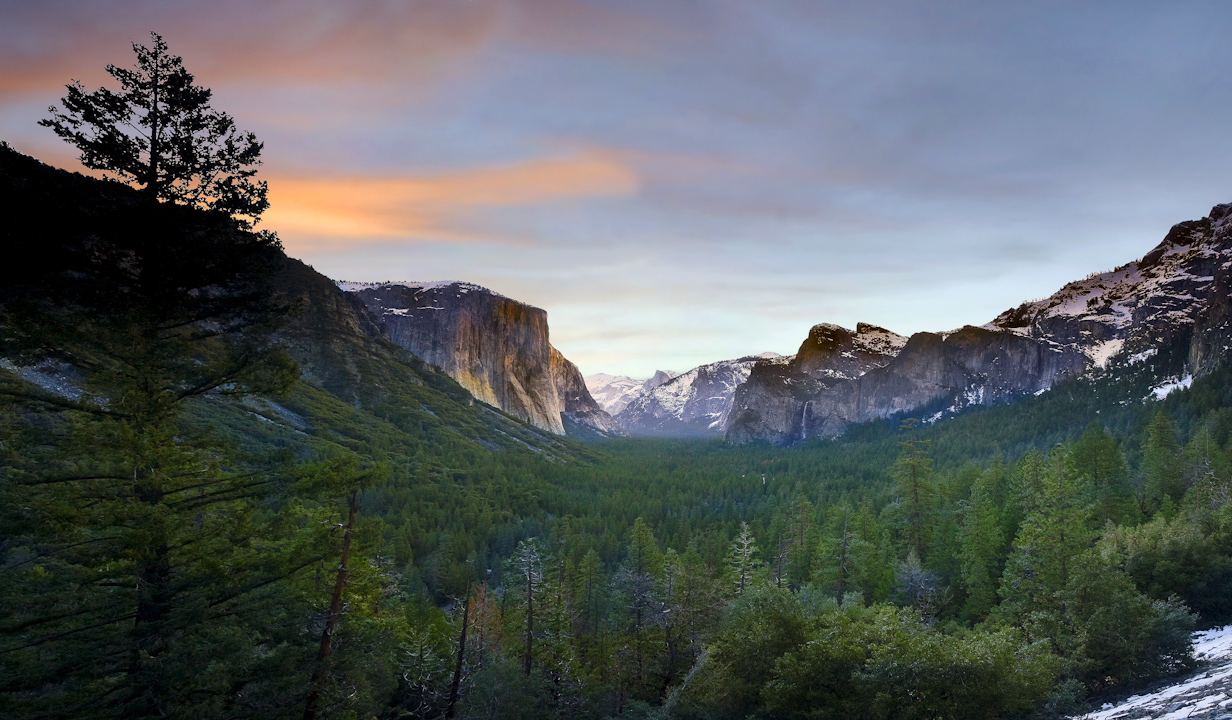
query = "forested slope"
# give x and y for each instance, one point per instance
(223, 495)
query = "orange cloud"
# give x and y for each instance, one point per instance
(311, 41)
(316, 210)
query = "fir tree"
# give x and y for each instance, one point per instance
(741, 563)
(982, 547)
(1163, 478)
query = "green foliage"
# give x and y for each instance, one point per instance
(1126, 637)
(1053, 532)
(774, 658)
(1098, 461)
(983, 545)
(914, 505)
(1169, 557)
(1163, 479)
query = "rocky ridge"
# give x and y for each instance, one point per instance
(1178, 287)
(1177, 293)
(495, 347)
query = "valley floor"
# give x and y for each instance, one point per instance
(1206, 694)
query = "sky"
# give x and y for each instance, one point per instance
(683, 181)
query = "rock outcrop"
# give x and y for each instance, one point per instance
(775, 401)
(1179, 293)
(494, 346)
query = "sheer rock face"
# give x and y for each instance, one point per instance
(1177, 293)
(777, 402)
(495, 347)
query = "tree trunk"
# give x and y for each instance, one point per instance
(154, 601)
(156, 148)
(457, 671)
(335, 613)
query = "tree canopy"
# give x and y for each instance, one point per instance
(158, 132)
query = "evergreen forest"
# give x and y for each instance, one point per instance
(222, 497)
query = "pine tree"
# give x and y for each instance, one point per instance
(589, 589)
(1163, 478)
(1098, 460)
(526, 576)
(840, 553)
(159, 131)
(741, 563)
(637, 582)
(1039, 568)
(982, 547)
(915, 489)
(158, 531)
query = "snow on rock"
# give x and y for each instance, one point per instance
(615, 392)
(693, 403)
(1205, 694)
(1130, 308)
(1100, 354)
(462, 287)
(1166, 389)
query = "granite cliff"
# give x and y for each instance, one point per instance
(494, 346)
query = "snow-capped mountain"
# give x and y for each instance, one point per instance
(1177, 295)
(695, 403)
(494, 346)
(1129, 310)
(614, 392)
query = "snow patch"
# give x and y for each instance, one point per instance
(1163, 391)
(1200, 693)
(462, 286)
(1100, 354)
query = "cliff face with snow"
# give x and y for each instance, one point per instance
(1177, 293)
(495, 347)
(1178, 290)
(693, 404)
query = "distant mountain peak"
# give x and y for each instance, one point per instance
(460, 286)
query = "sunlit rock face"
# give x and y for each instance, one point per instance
(1177, 295)
(495, 347)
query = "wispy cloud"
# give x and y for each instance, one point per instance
(331, 211)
